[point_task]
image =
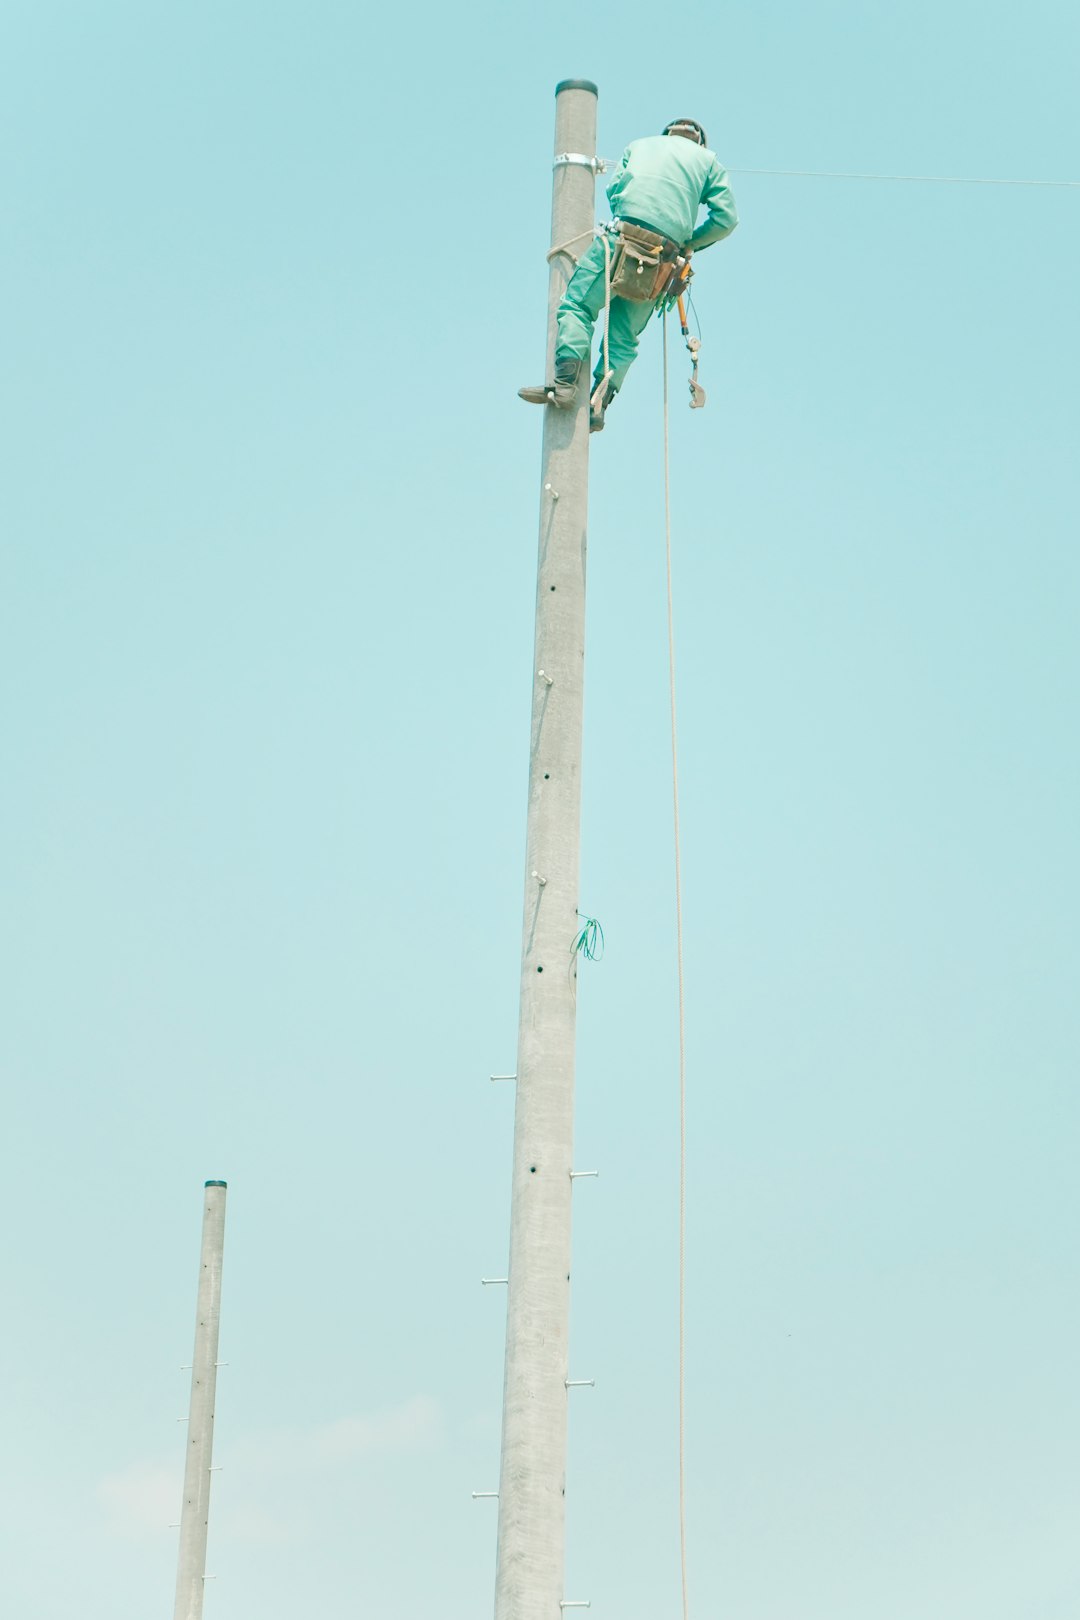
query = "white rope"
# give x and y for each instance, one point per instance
(911, 179)
(564, 247)
(682, 996)
(599, 393)
(607, 313)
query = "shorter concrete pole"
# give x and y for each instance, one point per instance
(195, 1513)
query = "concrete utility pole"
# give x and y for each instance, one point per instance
(532, 1475)
(194, 1516)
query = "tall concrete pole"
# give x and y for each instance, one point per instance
(532, 1475)
(195, 1513)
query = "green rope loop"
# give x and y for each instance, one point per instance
(590, 942)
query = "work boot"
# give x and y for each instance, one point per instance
(562, 393)
(597, 408)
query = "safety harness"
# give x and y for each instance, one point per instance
(645, 267)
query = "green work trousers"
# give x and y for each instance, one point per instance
(581, 304)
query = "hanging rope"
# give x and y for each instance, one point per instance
(607, 315)
(682, 995)
(599, 393)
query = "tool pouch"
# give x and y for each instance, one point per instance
(642, 264)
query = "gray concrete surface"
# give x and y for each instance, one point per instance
(532, 1479)
(195, 1512)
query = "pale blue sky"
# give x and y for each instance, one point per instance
(272, 275)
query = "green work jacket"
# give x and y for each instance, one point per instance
(664, 181)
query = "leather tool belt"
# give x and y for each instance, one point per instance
(643, 263)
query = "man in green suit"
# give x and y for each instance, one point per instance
(660, 186)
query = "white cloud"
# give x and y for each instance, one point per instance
(411, 1427)
(245, 1523)
(144, 1496)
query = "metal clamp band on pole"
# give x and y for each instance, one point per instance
(579, 159)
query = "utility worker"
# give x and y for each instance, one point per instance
(656, 194)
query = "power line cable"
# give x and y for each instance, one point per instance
(911, 179)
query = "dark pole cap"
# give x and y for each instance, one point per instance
(576, 84)
(217, 1183)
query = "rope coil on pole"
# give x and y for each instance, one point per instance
(564, 247)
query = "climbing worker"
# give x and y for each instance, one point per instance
(656, 194)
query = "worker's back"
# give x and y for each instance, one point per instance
(661, 182)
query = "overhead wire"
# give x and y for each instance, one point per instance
(912, 179)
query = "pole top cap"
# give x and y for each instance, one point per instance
(575, 84)
(217, 1184)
